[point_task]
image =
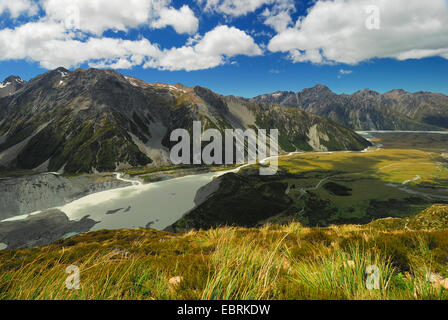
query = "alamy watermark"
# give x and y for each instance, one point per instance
(373, 278)
(190, 150)
(73, 280)
(373, 21)
(72, 19)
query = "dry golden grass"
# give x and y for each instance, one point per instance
(274, 262)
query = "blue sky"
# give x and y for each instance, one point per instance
(239, 47)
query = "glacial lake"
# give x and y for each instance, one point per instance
(156, 205)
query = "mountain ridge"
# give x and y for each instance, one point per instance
(90, 120)
(367, 109)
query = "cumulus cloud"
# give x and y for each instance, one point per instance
(71, 33)
(279, 21)
(101, 15)
(48, 44)
(51, 45)
(209, 51)
(278, 17)
(276, 13)
(233, 7)
(338, 31)
(183, 20)
(228, 41)
(16, 8)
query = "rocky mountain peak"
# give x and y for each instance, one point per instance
(366, 93)
(13, 79)
(10, 85)
(317, 90)
(62, 69)
(321, 87)
(397, 92)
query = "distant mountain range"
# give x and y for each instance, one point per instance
(368, 110)
(99, 120)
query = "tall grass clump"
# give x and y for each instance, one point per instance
(420, 282)
(240, 269)
(342, 274)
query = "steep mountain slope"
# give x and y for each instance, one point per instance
(369, 110)
(99, 120)
(11, 85)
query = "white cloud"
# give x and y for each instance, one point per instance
(277, 13)
(50, 45)
(228, 41)
(278, 17)
(311, 55)
(185, 58)
(53, 42)
(279, 21)
(342, 71)
(97, 16)
(182, 20)
(17, 8)
(18, 43)
(70, 34)
(233, 7)
(335, 31)
(209, 51)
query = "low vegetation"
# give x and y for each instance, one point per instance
(273, 262)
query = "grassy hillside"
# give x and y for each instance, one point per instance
(273, 262)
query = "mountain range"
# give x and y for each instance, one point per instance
(367, 109)
(99, 120)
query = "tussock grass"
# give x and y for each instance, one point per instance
(273, 262)
(242, 270)
(342, 275)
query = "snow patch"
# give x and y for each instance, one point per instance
(2, 85)
(176, 89)
(132, 81)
